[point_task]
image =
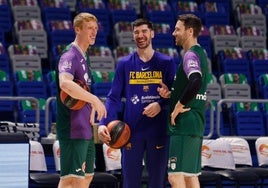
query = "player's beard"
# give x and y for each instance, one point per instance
(181, 39)
(143, 45)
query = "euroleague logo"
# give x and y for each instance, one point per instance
(263, 149)
(206, 152)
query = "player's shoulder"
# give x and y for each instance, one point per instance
(69, 54)
(126, 59)
(163, 56)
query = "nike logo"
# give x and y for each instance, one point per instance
(144, 69)
(77, 170)
(159, 147)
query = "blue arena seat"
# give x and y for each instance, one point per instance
(51, 83)
(4, 59)
(214, 14)
(262, 86)
(6, 89)
(27, 114)
(99, 10)
(121, 11)
(102, 83)
(186, 6)
(6, 21)
(248, 119)
(204, 39)
(234, 61)
(60, 32)
(54, 10)
(258, 62)
(30, 83)
(163, 36)
(159, 12)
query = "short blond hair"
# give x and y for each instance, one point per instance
(83, 16)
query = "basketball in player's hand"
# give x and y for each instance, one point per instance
(72, 103)
(119, 132)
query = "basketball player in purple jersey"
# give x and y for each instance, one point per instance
(137, 78)
(74, 130)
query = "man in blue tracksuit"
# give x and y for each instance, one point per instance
(137, 78)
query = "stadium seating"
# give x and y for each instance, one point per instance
(101, 58)
(5, 20)
(24, 57)
(123, 34)
(34, 33)
(248, 119)
(243, 158)
(235, 86)
(4, 59)
(223, 37)
(234, 61)
(217, 156)
(214, 14)
(6, 89)
(159, 12)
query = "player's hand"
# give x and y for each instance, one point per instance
(104, 134)
(163, 90)
(152, 109)
(179, 108)
(99, 107)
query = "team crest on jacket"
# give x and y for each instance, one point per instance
(146, 88)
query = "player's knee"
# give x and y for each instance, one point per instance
(172, 179)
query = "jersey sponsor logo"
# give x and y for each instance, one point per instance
(135, 99)
(66, 65)
(144, 99)
(159, 146)
(147, 77)
(201, 96)
(78, 169)
(192, 64)
(172, 163)
(149, 98)
(144, 69)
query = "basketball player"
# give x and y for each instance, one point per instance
(137, 78)
(187, 106)
(73, 126)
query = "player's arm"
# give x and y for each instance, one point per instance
(112, 103)
(192, 88)
(67, 84)
(74, 90)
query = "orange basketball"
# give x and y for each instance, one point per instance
(71, 103)
(119, 132)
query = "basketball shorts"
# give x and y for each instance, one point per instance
(185, 155)
(77, 157)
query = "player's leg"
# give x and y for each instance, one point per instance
(90, 161)
(73, 163)
(132, 157)
(156, 161)
(184, 159)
